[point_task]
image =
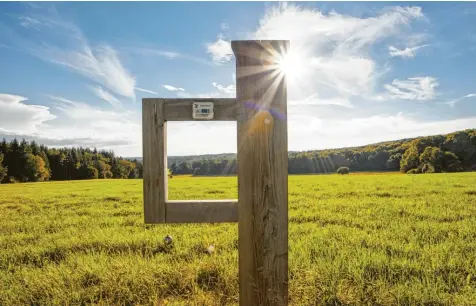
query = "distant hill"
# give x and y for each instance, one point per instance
(446, 153)
(25, 162)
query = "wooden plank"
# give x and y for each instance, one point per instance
(181, 109)
(202, 211)
(154, 143)
(262, 172)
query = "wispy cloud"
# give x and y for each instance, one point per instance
(171, 55)
(322, 133)
(220, 50)
(333, 51)
(228, 90)
(220, 91)
(146, 90)
(83, 124)
(66, 46)
(316, 100)
(28, 22)
(418, 88)
(106, 96)
(225, 26)
(18, 117)
(101, 65)
(452, 103)
(149, 51)
(34, 5)
(404, 53)
(173, 88)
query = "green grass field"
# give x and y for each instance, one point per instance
(384, 239)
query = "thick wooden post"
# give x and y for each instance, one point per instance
(154, 143)
(262, 172)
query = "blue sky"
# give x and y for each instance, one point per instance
(75, 73)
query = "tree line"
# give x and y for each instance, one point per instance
(441, 153)
(27, 161)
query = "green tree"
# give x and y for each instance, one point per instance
(91, 172)
(128, 166)
(427, 168)
(174, 168)
(451, 163)
(393, 163)
(104, 170)
(184, 168)
(343, 170)
(461, 145)
(410, 159)
(119, 170)
(3, 170)
(433, 158)
(34, 169)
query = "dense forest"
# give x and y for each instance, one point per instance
(27, 161)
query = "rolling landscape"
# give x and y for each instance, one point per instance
(22, 161)
(368, 238)
(237, 153)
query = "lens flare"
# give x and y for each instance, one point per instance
(291, 65)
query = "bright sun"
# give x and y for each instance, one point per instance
(291, 65)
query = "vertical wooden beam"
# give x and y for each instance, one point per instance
(154, 143)
(262, 172)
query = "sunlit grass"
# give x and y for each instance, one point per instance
(354, 240)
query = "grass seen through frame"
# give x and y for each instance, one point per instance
(384, 239)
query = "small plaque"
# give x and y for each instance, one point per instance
(202, 110)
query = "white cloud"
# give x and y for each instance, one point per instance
(418, 88)
(309, 132)
(173, 88)
(314, 100)
(101, 65)
(332, 52)
(18, 117)
(322, 133)
(28, 22)
(225, 26)
(344, 74)
(72, 124)
(220, 92)
(81, 124)
(452, 103)
(220, 137)
(229, 90)
(404, 53)
(106, 96)
(167, 54)
(146, 90)
(220, 50)
(64, 44)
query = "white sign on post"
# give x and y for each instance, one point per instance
(202, 110)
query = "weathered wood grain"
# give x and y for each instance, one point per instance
(262, 161)
(181, 109)
(202, 211)
(154, 143)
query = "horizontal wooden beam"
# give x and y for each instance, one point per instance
(201, 211)
(181, 109)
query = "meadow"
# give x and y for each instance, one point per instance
(386, 239)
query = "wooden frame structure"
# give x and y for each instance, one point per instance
(157, 207)
(260, 110)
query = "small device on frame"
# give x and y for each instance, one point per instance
(202, 110)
